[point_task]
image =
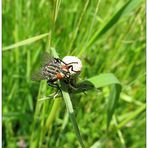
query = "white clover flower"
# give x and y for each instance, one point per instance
(75, 63)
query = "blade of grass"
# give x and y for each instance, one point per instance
(25, 42)
(120, 134)
(93, 21)
(78, 25)
(57, 7)
(105, 80)
(53, 112)
(69, 107)
(34, 139)
(133, 115)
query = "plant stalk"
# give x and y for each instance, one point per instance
(69, 107)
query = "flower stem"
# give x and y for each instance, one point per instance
(69, 107)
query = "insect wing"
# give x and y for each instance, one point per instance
(46, 58)
(38, 75)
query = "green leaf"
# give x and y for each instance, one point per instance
(107, 80)
(25, 42)
(124, 10)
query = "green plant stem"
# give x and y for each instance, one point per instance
(69, 107)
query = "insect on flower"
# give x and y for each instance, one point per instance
(54, 69)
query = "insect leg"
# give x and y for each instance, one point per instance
(72, 63)
(51, 83)
(74, 86)
(55, 85)
(71, 66)
(59, 60)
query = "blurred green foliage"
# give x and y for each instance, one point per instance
(106, 39)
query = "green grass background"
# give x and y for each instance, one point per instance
(108, 36)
